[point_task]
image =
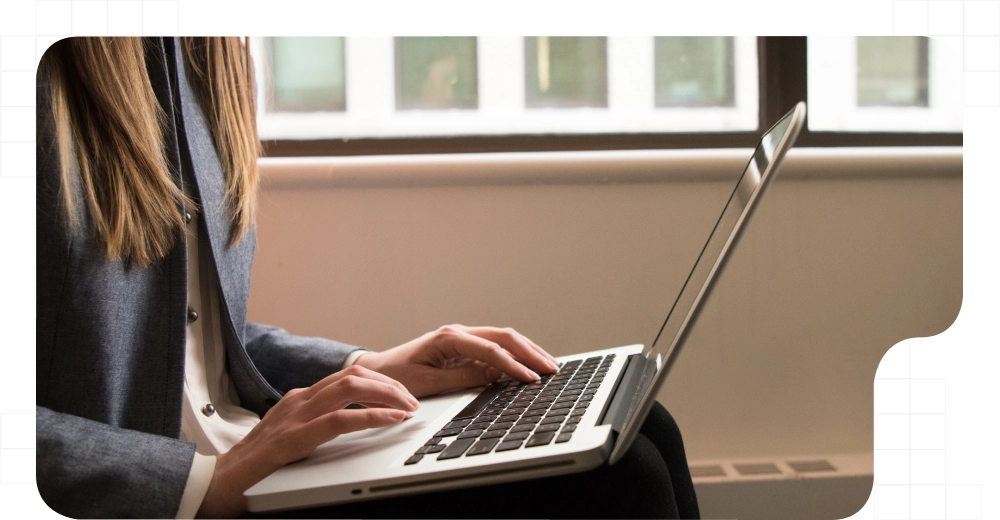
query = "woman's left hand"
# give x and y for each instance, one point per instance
(456, 356)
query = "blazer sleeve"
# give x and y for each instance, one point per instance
(288, 361)
(88, 469)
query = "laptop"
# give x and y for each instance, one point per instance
(585, 415)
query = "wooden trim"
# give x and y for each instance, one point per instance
(565, 143)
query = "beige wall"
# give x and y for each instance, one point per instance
(848, 254)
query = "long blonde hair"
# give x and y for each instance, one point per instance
(106, 114)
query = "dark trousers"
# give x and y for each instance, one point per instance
(651, 481)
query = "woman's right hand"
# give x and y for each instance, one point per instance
(302, 420)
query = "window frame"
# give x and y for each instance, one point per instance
(782, 83)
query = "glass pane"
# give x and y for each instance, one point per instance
(436, 73)
(307, 74)
(564, 71)
(694, 71)
(892, 71)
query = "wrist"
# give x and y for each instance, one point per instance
(224, 498)
(368, 359)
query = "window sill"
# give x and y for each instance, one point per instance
(599, 167)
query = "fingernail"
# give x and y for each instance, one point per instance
(534, 375)
(408, 416)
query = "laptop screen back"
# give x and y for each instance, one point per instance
(748, 184)
(665, 348)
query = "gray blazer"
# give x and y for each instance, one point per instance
(111, 337)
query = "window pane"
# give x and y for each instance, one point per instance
(563, 71)
(884, 84)
(892, 71)
(694, 72)
(436, 73)
(307, 74)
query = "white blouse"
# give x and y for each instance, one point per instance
(212, 417)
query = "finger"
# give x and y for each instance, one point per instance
(468, 375)
(481, 349)
(330, 425)
(517, 345)
(353, 389)
(491, 331)
(540, 349)
(353, 370)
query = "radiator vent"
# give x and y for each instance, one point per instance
(765, 468)
(707, 471)
(810, 466)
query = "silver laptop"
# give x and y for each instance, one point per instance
(586, 415)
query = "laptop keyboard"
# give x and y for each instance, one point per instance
(510, 414)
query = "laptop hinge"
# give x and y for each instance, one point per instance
(629, 388)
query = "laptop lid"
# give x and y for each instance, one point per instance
(659, 357)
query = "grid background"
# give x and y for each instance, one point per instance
(910, 388)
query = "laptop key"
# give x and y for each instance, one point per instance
(569, 428)
(508, 418)
(562, 405)
(578, 412)
(518, 436)
(414, 459)
(573, 420)
(470, 434)
(557, 419)
(458, 424)
(522, 428)
(547, 428)
(456, 449)
(563, 437)
(448, 432)
(539, 439)
(533, 419)
(493, 433)
(482, 447)
(509, 445)
(561, 411)
(479, 403)
(433, 441)
(436, 448)
(501, 426)
(536, 411)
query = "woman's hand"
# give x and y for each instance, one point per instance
(456, 356)
(302, 420)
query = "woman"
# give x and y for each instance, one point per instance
(155, 396)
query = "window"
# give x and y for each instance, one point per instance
(306, 74)
(436, 73)
(695, 72)
(423, 87)
(358, 95)
(563, 71)
(884, 84)
(892, 71)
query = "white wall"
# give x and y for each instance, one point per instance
(850, 252)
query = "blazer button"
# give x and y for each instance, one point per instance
(208, 410)
(187, 217)
(192, 315)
